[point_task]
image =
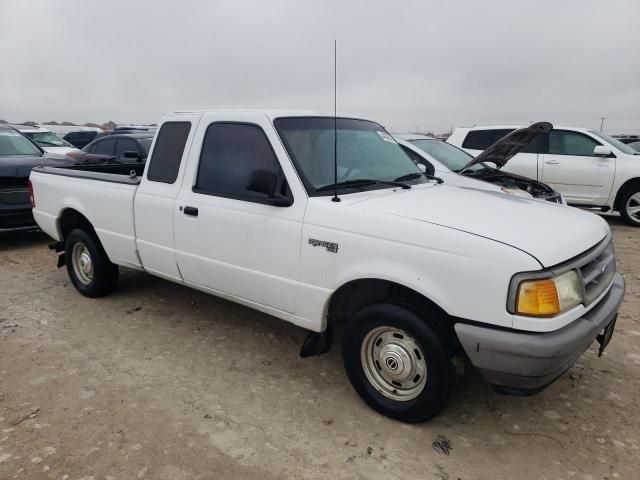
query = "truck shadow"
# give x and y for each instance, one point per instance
(19, 240)
(201, 317)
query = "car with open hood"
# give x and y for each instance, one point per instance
(485, 171)
(589, 168)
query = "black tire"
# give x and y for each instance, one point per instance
(440, 372)
(104, 274)
(626, 202)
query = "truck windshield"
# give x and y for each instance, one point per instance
(365, 151)
(13, 143)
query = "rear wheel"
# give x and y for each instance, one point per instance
(630, 206)
(88, 265)
(398, 362)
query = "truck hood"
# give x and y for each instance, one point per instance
(509, 145)
(551, 233)
(20, 166)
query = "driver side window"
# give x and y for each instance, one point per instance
(235, 158)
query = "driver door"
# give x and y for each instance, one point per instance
(230, 238)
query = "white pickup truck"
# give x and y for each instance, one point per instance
(243, 205)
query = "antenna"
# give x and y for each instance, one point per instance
(335, 122)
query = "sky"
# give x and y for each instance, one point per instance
(411, 65)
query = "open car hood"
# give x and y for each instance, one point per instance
(509, 145)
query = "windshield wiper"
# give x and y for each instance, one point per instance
(413, 176)
(361, 182)
(49, 144)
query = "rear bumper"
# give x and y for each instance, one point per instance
(524, 363)
(16, 220)
(15, 210)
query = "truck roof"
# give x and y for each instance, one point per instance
(269, 113)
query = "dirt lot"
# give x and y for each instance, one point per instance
(158, 381)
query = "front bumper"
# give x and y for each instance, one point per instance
(524, 363)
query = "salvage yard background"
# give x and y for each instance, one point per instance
(159, 381)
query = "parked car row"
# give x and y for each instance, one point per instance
(23, 147)
(46, 139)
(18, 155)
(319, 220)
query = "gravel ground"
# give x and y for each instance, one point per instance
(159, 381)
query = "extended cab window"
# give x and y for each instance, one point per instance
(562, 142)
(167, 153)
(232, 155)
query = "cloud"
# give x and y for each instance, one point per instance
(404, 63)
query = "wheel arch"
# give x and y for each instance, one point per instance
(358, 293)
(71, 218)
(623, 188)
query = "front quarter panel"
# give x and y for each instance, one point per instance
(466, 275)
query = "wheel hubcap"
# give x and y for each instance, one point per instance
(633, 206)
(393, 363)
(82, 263)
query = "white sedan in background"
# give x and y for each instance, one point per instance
(46, 139)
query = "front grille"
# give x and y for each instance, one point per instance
(598, 272)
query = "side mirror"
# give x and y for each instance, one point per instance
(602, 151)
(422, 168)
(131, 154)
(266, 182)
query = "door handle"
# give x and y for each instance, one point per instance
(552, 162)
(193, 211)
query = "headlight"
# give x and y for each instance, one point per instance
(548, 296)
(516, 192)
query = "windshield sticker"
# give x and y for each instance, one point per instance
(385, 136)
(9, 134)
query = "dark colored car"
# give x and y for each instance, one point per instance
(627, 138)
(81, 138)
(18, 155)
(123, 147)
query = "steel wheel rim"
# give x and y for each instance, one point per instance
(82, 263)
(633, 206)
(394, 363)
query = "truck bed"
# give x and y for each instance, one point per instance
(103, 194)
(128, 173)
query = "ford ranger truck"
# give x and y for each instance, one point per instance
(253, 207)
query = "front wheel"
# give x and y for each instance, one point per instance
(88, 265)
(397, 362)
(630, 206)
